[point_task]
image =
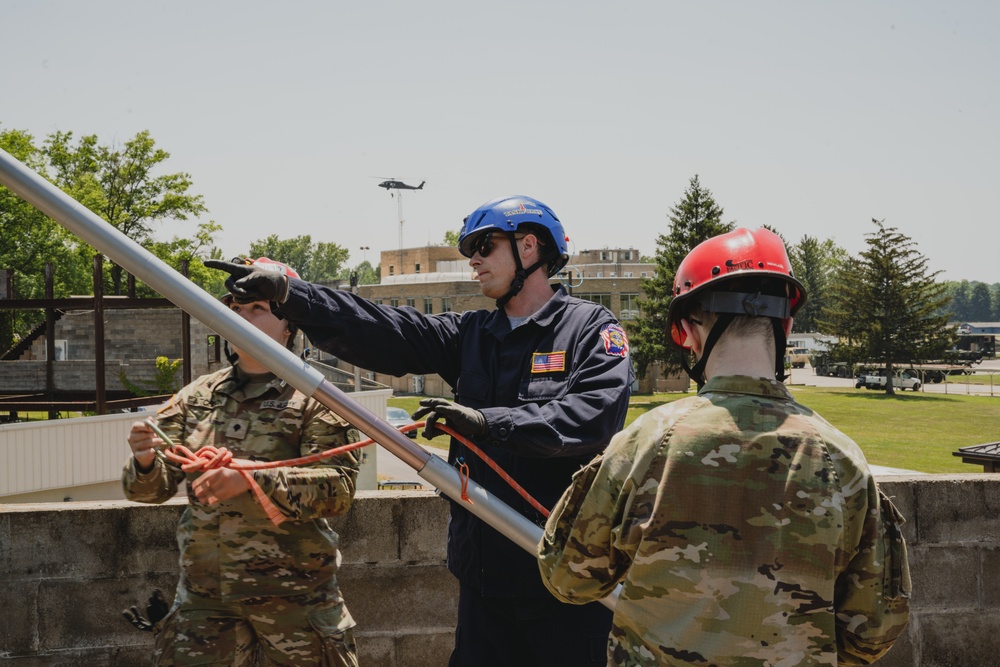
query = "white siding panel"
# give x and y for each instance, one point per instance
(63, 453)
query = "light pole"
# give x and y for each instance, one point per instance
(365, 249)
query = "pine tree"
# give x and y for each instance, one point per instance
(696, 218)
(885, 305)
(814, 264)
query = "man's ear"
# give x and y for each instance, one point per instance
(694, 339)
(530, 244)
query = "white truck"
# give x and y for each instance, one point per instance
(904, 379)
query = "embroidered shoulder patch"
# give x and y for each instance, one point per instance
(615, 340)
(548, 362)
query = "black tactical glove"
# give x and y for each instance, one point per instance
(251, 282)
(156, 610)
(467, 421)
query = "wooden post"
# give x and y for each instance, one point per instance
(50, 337)
(99, 333)
(185, 333)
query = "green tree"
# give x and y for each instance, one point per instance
(980, 303)
(315, 262)
(996, 302)
(814, 264)
(885, 305)
(365, 272)
(451, 238)
(119, 185)
(30, 240)
(694, 219)
(195, 250)
(960, 302)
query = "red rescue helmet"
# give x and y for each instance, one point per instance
(757, 258)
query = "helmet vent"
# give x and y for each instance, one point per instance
(716, 270)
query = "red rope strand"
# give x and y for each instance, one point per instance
(210, 458)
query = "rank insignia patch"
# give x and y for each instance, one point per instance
(615, 341)
(548, 362)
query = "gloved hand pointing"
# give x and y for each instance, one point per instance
(469, 422)
(251, 282)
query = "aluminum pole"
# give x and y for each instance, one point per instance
(135, 259)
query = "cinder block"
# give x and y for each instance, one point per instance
(74, 613)
(958, 639)
(404, 599)
(377, 650)
(18, 617)
(369, 532)
(958, 509)
(990, 591)
(429, 649)
(959, 589)
(423, 527)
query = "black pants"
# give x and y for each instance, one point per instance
(529, 632)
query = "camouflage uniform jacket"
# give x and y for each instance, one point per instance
(744, 529)
(231, 550)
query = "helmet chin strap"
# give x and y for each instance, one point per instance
(697, 372)
(520, 273)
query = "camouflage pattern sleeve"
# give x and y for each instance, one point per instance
(872, 599)
(161, 482)
(592, 533)
(323, 489)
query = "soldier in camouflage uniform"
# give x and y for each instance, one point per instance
(744, 528)
(248, 587)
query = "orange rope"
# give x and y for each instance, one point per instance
(209, 458)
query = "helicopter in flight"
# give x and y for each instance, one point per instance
(393, 184)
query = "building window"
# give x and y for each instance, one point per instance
(411, 302)
(394, 302)
(643, 274)
(628, 274)
(604, 256)
(418, 267)
(428, 306)
(628, 255)
(445, 305)
(603, 299)
(629, 306)
(377, 302)
(392, 270)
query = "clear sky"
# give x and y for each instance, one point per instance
(811, 117)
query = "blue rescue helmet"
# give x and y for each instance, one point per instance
(512, 214)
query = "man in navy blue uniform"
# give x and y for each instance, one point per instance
(541, 384)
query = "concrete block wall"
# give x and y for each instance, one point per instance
(67, 570)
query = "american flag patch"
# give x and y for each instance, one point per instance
(548, 362)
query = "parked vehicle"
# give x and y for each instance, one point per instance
(400, 417)
(823, 365)
(905, 379)
(796, 357)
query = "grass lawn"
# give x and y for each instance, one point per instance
(915, 431)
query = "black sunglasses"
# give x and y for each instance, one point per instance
(483, 245)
